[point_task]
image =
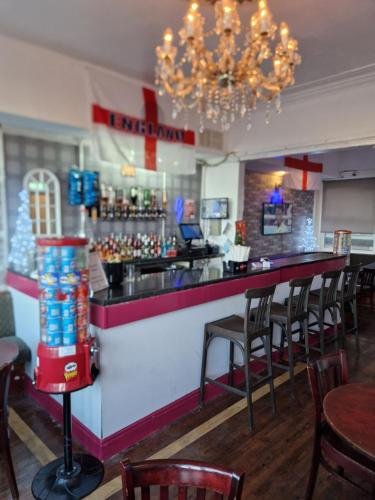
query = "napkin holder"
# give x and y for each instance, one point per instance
(233, 267)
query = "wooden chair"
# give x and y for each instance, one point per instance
(181, 475)
(242, 332)
(329, 450)
(347, 298)
(367, 285)
(5, 454)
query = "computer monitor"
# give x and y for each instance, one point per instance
(191, 232)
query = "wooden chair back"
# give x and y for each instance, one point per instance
(182, 475)
(257, 320)
(325, 374)
(328, 293)
(297, 302)
(349, 282)
(368, 278)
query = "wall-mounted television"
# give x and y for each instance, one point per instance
(214, 208)
(277, 218)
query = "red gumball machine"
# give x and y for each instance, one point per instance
(66, 358)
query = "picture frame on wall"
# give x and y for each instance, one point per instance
(277, 218)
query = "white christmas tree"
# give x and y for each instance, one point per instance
(308, 239)
(22, 254)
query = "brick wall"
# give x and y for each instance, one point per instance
(258, 189)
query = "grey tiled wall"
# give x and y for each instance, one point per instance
(258, 188)
(25, 153)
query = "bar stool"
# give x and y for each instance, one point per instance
(318, 305)
(285, 316)
(367, 284)
(242, 332)
(347, 297)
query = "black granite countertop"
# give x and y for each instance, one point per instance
(149, 285)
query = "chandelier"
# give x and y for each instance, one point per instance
(228, 81)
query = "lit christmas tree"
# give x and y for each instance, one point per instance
(22, 254)
(308, 240)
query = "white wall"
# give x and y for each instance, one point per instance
(225, 181)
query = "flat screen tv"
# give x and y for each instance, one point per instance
(277, 218)
(214, 208)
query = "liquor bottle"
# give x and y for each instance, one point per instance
(125, 206)
(111, 203)
(119, 200)
(104, 202)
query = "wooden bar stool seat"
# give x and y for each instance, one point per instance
(242, 332)
(229, 328)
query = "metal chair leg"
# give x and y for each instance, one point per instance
(335, 328)
(231, 362)
(290, 358)
(343, 324)
(204, 367)
(246, 359)
(355, 321)
(305, 330)
(268, 349)
(321, 332)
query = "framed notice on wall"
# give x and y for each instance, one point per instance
(277, 218)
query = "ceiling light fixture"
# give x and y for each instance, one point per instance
(227, 81)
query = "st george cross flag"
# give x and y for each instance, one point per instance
(127, 127)
(302, 174)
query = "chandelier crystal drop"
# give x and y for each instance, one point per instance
(227, 82)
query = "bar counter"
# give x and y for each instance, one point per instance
(150, 334)
(151, 285)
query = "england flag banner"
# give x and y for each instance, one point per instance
(128, 128)
(302, 174)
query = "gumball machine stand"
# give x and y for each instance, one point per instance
(67, 359)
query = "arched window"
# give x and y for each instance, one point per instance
(45, 204)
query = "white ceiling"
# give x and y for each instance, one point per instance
(335, 35)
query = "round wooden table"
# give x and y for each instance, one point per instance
(8, 352)
(350, 411)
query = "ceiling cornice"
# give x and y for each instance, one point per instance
(347, 79)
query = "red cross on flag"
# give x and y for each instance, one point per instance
(303, 174)
(127, 127)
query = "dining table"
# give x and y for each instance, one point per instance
(350, 412)
(8, 352)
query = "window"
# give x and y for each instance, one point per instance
(360, 242)
(45, 204)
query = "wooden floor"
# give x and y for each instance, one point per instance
(275, 457)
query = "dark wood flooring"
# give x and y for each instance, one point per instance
(275, 457)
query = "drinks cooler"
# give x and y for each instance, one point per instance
(67, 358)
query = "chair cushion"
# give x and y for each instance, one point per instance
(231, 327)
(24, 354)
